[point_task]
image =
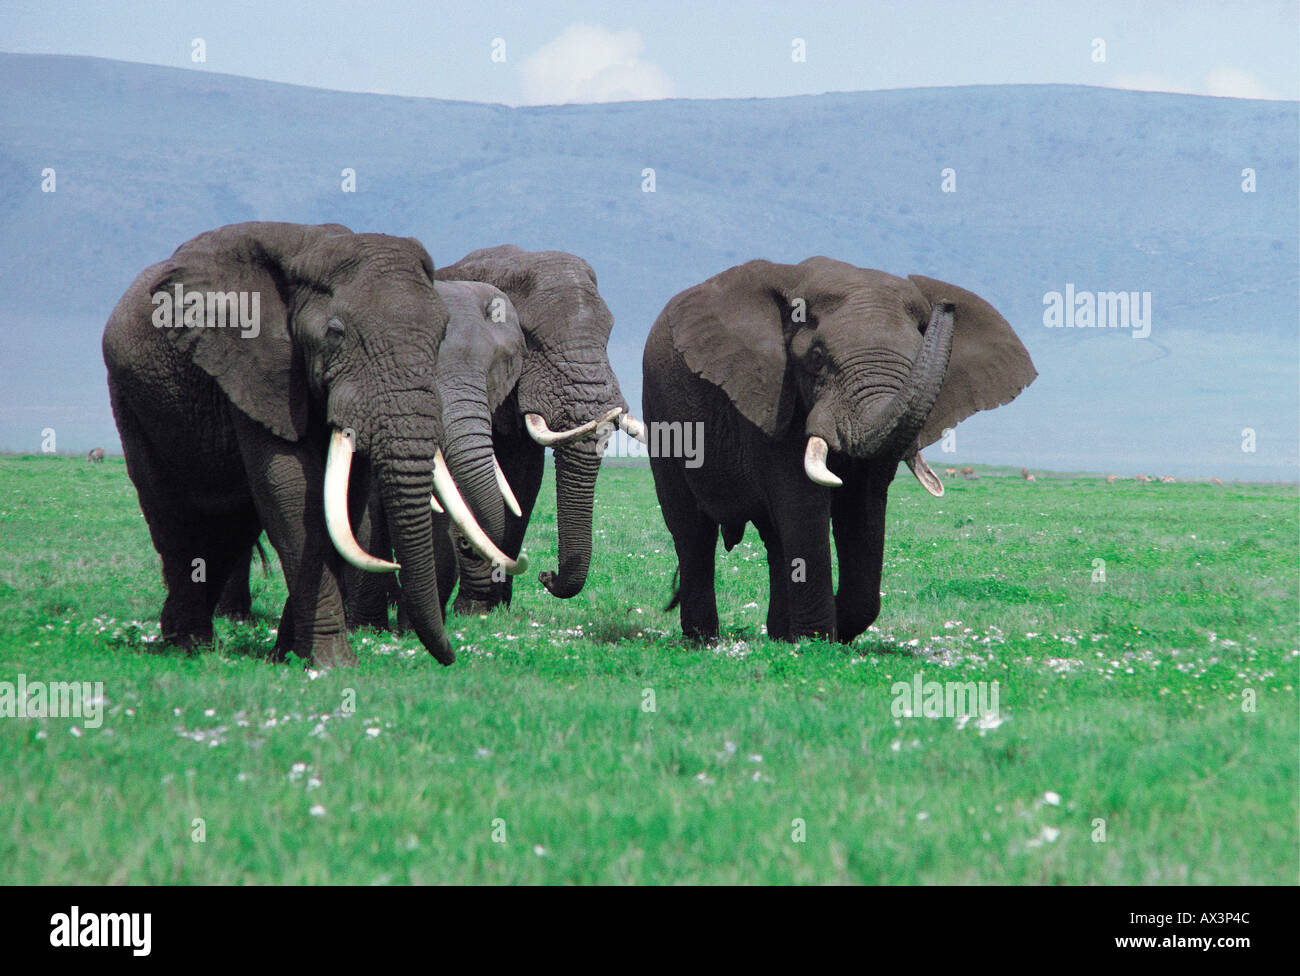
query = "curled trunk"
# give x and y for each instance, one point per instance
(896, 428)
(890, 426)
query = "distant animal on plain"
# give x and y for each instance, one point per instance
(1142, 478)
(1110, 478)
(951, 472)
(96, 455)
(1024, 473)
(1215, 481)
(1166, 480)
(969, 474)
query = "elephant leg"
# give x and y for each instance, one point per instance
(368, 593)
(236, 602)
(524, 468)
(230, 547)
(804, 531)
(523, 463)
(478, 592)
(697, 546)
(284, 636)
(287, 483)
(185, 618)
(444, 556)
(858, 521)
(695, 537)
(778, 576)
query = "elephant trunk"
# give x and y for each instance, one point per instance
(404, 475)
(891, 427)
(477, 589)
(467, 424)
(576, 468)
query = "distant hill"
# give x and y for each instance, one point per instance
(1055, 185)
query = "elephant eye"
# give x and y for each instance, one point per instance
(334, 327)
(816, 357)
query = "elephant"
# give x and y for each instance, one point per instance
(478, 367)
(287, 351)
(567, 398)
(810, 382)
(236, 601)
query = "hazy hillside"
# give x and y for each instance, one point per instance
(1102, 189)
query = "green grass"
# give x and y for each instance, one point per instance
(1123, 698)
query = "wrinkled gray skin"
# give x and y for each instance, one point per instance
(567, 379)
(877, 366)
(479, 363)
(225, 433)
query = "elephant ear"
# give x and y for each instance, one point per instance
(508, 365)
(260, 369)
(988, 367)
(732, 331)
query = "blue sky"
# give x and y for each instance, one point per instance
(582, 51)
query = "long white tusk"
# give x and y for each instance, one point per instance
(925, 474)
(338, 463)
(543, 435)
(814, 463)
(463, 519)
(433, 503)
(512, 502)
(633, 427)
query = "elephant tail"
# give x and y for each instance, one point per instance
(261, 555)
(677, 590)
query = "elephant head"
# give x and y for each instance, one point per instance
(859, 363)
(566, 390)
(343, 351)
(479, 364)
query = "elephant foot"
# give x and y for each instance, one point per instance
(357, 621)
(332, 652)
(472, 606)
(185, 626)
(700, 635)
(189, 643)
(326, 651)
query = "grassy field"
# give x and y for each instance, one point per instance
(1146, 730)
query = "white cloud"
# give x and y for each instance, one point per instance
(591, 64)
(1222, 81)
(1233, 83)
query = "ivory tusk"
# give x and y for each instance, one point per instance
(433, 503)
(463, 519)
(512, 502)
(543, 434)
(814, 463)
(633, 427)
(338, 463)
(925, 474)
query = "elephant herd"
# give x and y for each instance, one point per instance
(385, 423)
